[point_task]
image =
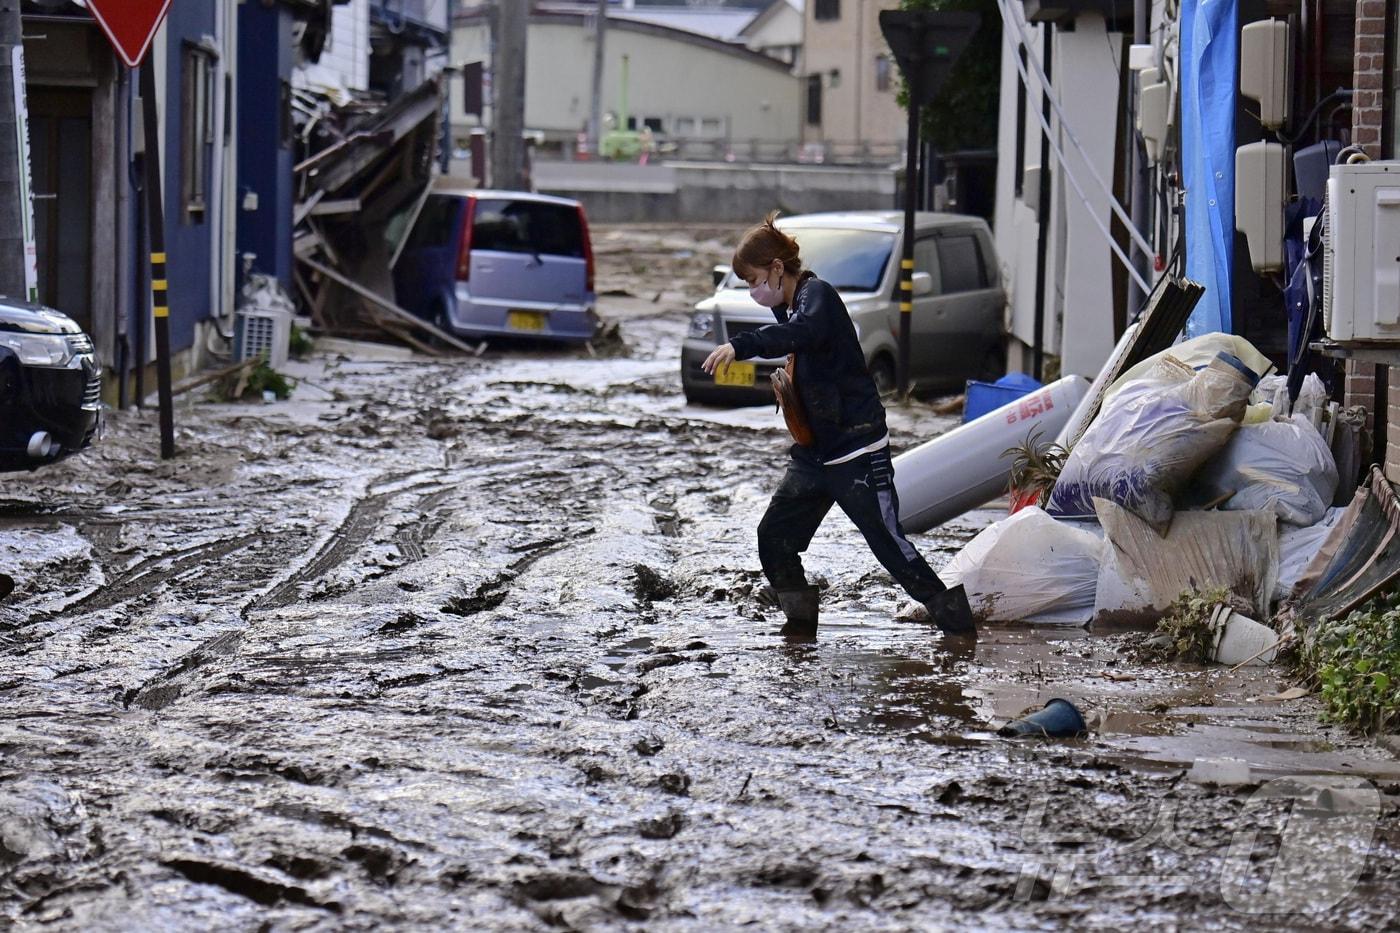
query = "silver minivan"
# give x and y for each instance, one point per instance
(484, 263)
(956, 329)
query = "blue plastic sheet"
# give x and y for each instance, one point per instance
(1210, 63)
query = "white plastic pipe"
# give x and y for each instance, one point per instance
(958, 471)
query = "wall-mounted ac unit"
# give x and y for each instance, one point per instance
(1361, 262)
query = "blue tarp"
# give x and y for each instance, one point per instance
(1210, 63)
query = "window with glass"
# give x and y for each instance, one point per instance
(196, 130)
(961, 263)
(814, 100)
(827, 9)
(882, 73)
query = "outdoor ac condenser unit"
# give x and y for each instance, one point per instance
(264, 332)
(1361, 262)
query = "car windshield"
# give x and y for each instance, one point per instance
(851, 260)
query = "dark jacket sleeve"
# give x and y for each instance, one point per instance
(808, 327)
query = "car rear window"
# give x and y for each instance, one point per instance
(527, 227)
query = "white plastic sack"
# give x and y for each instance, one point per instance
(1312, 400)
(1029, 568)
(1151, 437)
(1197, 354)
(1283, 466)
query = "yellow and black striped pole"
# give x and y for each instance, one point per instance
(155, 228)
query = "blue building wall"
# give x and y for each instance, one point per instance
(265, 44)
(188, 247)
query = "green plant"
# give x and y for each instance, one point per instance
(964, 114)
(1355, 662)
(253, 381)
(1187, 624)
(1035, 467)
(299, 343)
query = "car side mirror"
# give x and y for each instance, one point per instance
(923, 284)
(720, 272)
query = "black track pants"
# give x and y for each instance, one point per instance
(864, 488)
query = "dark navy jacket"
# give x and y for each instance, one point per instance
(843, 406)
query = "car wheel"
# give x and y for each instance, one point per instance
(882, 371)
(440, 319)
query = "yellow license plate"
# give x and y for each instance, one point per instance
(526, 320)
(735, 374)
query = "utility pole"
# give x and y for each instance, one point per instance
(511, 24)
(16, 210)
(1138, 213)
(595, 113)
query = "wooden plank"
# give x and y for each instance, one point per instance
(406, 316)
(306, 207)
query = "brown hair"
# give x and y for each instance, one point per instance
(763, 243)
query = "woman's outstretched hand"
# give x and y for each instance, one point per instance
(722, 355)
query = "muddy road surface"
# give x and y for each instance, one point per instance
(473, 645)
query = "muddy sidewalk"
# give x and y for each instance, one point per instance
(474, 645)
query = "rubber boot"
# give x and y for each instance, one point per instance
(949, 610)
(800, 607)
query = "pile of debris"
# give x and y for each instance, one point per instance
(363, 170)
(1192, 471)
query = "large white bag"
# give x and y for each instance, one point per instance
(1029, 568)
(1151, 437)
(1282, 465)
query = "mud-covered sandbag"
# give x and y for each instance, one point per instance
(1143, 572)
(1283, 466)
(1151, 436)
(1029, 568)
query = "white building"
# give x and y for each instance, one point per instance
(679, 84)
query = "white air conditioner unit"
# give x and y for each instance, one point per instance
(1361, 261)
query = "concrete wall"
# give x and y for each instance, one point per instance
(696, 88)
(704, 191)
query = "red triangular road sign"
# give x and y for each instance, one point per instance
(130, 25)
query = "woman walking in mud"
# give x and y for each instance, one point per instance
(845, 459)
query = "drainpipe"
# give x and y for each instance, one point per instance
(1043, 205)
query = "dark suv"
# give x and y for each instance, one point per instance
(50, 386)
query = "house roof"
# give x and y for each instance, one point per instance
(477, 16)
(767, 13)
(727, 25)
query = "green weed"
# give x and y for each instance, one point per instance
(1355, 662)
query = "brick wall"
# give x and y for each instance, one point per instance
(1370, 78)
(1392, 445)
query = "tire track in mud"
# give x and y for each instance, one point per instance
(363, 519)
(152, 571)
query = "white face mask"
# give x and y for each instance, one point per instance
(768, 295)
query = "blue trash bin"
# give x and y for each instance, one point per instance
(984, 397)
